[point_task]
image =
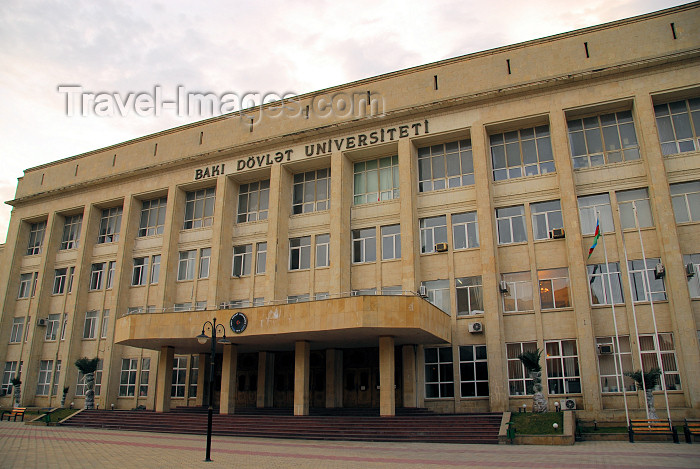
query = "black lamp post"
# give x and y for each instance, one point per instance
(202, 338)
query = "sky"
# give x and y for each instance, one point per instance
(122, 47)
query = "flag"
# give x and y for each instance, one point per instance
(595, 238)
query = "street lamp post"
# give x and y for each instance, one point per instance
(202, 338)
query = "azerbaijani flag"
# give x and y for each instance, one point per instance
(595, 238)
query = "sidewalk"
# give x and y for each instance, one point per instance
(25, 446)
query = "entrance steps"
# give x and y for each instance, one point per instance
(419, 425)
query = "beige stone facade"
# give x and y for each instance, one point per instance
(476, 180)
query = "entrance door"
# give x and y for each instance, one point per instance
(247, 385)
(284, 380)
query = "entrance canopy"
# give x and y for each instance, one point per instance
(355, 321)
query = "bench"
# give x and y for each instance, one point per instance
(16, 412)
(652, 427)
(691, 427)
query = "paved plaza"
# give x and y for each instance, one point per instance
(25, 446)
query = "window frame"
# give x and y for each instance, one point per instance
(694, 192)
(540, 214)
(53, 323)
(503, 217)
(139, 271)
(199, 208)
(636, 273)
(127, 377)
(152, 220)
(364, 245)
(43, 381)
(37, 232)
(671, 377)
(302, 184)
(72, 225)
(323, 246)
(518, 375)
(626, 205)
(110, 225)
(242, 260)
(186, 265)
(17, 331)
(605, 135)
(541, 143)
(435, 160)
(465, 223)
(603, 276)
(678, 145)
(618, 376)
(260, 258)
(588, 211)
(565, 380)
(445, 384)
(382, 169)
(544, 276)
(251, 198)
(97, 275)
(478, 361)
(391, 238)
(90, 324)
(464, 287)
(436, 232)
(517, 281)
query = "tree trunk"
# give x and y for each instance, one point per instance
(539, 403)
(63, 399)
(650, 404)
(90, 393)
(17, 392)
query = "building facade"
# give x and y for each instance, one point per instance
(394, 242)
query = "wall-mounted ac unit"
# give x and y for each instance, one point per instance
(605, 349)
(476, 327)
(440, 247)
(422, 291)
(659, 271)
(568, 404)
(557, 233)
(690, 270)
(41, 322)
(503, 286)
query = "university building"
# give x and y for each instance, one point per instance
(393, 242)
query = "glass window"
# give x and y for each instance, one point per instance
(322, 250)
(155, 269)
(563, 376)
(395, 290)
(546, 216)
(554, 288)
(261, 258)
(127, 380)
(603, 139)
(57, 376)
(321, 296)
(693, 260)
(433, 230)
(364, 245)
(239, 303)
(242, 260)
(98, 377)
(298, 298)
(438, 293)
(17, 329)
(9, 372)
(97, 275)
(519, 294)
(376, 180)
(465, 230)
(253, 201)
(600, 288)
(71, 232)
(645, 285)
(111, 267)
(470, 295)
(637, 199)
(194, 375)
(71, 272)
(666, 350)
(300, 253)
(685, 197)
(44, 379)
(588, 207)
(152, 217)
(145, 372)
(140, 271)
(105, 324)
(181, 307)
(519, 381)
(199, 208)
(90, 325)
(612, 377)
(445, 165)
(53, 323)
(36, 238)
(186, 265)
(311, 191)
(179, 376)
(391, 242)
(260, 301)
(511, 224)
(473, 371)
(110, 225)
(524, 152)
(59, 280)
(26, 282)
(204, 260)
(439, 375)
(679, 126)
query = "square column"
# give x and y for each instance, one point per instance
(387, 396)
(302, 354)
(229, 367)
(408, 354)
(334, 378)
(266, 369)
(164, 381)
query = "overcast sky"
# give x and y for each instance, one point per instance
(231, 46)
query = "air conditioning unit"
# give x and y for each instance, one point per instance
(476, 327)
(503, 286)
(659, 271)
(557, 233)
(568, 404)
(440, 247)
(690, 270)
(41, 322)
(422, 291)
(605, 349)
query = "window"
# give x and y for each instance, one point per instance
(242, 259)
(598, 282)
(239, 304)
(645, 285)
(27, 284)
(111, 267)
(182, 307)
(300, 253)
(260, 258)
(676, 132)
(63, 326)
(57, 376)
(298, 298)
(71, 272)
(194, 375)
(694, 280)
(311, 191)
(97, 273)
(80, 386)
(473, 371)
(519, 294)
(665, 349)
(105, 324)
(199, 208)
(554, 288)
(17, 329)
(155, 269)
(612, 378)
(200, 305)
(433, 230)
(127, 380)
(587, 208)
(90, 325)
(53, 322)
(179, 375)
(519, 381)
(364, 245)
(152, 217)
(391, 242)
(465, 230)
(376, 180)
(259, 301)
(394, 290)
(140, 271)
(546, 216)
(524, 152)
(439, 375)
(253, 200)
(445, 165)
(36, 238)
(134, 310)
(7, 375)
(150, 309)
(59, 281)
(186, 265)
(365, 292)
(98, 378)
(145, 372)
(511, 224)
(321, 296)
(439, 293)
(322, 250)
(470, 295)
(604, 139)
(628, 201)
(71, 232)
(110, 225)
(563, 375)
(204, 261)
(44, 380)
(685, 197)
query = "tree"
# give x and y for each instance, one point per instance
(531, 362)
(647, 380)
(88, 366)
(16, 390)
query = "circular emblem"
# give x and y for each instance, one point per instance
(238, 322)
